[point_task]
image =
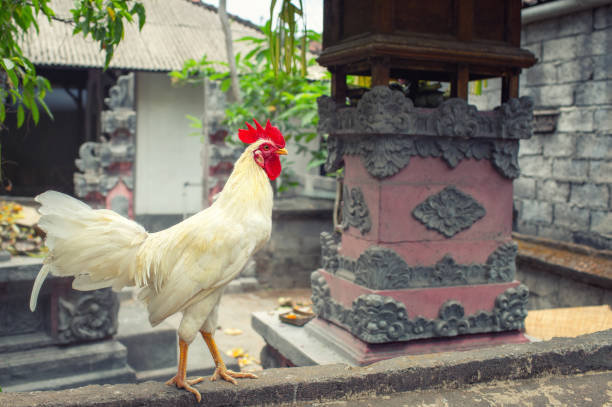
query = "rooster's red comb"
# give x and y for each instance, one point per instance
(269, 133)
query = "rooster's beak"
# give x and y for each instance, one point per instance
(281, 151)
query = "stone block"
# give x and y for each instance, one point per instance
(524, 188)
(594, 93)
(530, 146)
(526, 228)
(558, 145)
(575, 70)
(567, 48)
(541, 74)
(570, 24)
(602, 118)
(573, 293)
(536, 211)
(600, 171)
(600, 42)
(556, 95)
(589, 195)
(601, 66)
(602, 17)
(594, 146)
(570, 216)
(535, 166)
(554, 232)
(575, 119)
(601, 222)
(552, 191)
(569, 169)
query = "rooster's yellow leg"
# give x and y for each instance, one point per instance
(180, 380)
(221, 371)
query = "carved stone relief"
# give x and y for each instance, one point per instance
(449, 211)
(329, 251)
(381, 268)
(385, 111)
(376, 318)
(355, 212)
(103, 164)
(121, 95)
(85, 316)
(386, 130)
(385, 155)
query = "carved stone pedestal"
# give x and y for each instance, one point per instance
(67, 342)
(425, 252)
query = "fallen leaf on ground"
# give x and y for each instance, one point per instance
(235, 352)
(232, 331)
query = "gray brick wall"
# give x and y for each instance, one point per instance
(566, 177)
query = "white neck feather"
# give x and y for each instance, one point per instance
(248, 187)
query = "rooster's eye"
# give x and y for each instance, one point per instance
(266, 147)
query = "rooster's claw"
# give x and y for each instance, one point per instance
(229, 375)
(182, 383)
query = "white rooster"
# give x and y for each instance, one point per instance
(181, 269)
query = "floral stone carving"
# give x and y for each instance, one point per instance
(375, 318)
(381, 268)
(385, 111)
(386, 130)
(355, 212)
(329, 251)
(449, 211)
(86, 316)
(385, 155)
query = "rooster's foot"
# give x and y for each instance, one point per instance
(183, 383)
(229, 375)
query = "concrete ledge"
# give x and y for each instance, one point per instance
(337, 382)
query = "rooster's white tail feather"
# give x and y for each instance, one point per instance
(98, 247)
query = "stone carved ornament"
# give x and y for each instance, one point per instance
(85, 316)
(355, 212)
(121, 95)
(93, 158)
(386, 130)
(385, 155)
(376, 318)
(119, 124)
(385, 111)
(449, 211)
(381, 268)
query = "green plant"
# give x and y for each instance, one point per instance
(20, 86)
(285, 96)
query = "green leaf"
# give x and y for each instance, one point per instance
(46, 108)
(35, 112)
(8, 64)
(20, 115)
(2, 112)
(225, 84)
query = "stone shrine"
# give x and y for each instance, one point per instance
(424, 261)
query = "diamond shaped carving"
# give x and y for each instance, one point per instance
(449, 211)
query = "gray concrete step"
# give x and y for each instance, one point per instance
(111, 376)
(31, 368)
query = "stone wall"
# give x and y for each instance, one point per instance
(565, 189)
(294, 249)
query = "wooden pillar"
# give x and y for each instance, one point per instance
(510, 86)
(380, 73)
(459, 84)
(338, 85)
